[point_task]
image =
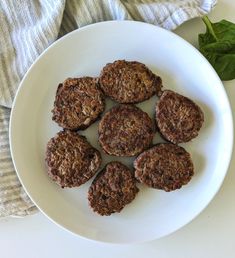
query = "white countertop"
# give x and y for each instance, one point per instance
(211, 234)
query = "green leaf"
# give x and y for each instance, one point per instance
(218, 46)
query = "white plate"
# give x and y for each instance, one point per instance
(153, 213)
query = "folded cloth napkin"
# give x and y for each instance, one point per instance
(28, 27)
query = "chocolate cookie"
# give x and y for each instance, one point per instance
(178, 118)
(125, 130)
(129, 82)
(165, 166)
(78, 103)
(71, 160)
(112, 189)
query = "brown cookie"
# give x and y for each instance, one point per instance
(165, 166)
(71, 160)
(112, 189)
(178, 118)
(129, 82)
(78, 103)
(125, 130)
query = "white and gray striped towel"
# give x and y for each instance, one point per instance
(28, 27)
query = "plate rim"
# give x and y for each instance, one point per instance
(58, 41)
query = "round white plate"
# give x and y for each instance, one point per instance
(153, 213)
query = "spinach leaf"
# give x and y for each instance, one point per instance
(218, 46)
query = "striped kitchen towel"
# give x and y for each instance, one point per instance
(28, 27)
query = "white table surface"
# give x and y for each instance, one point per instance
(211, 234)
